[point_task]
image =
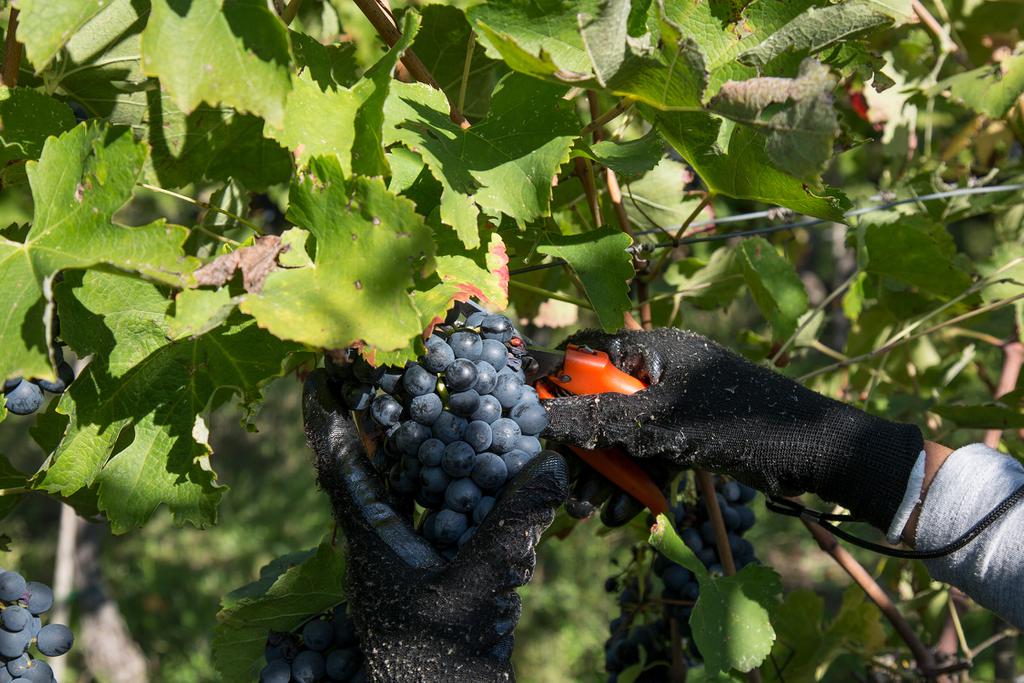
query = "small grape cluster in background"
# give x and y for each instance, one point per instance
(458, 423)
(22, 603)
(648, 621)
(326, 648)
(25, 396)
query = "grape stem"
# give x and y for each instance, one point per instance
(14, 491)
(610, 115)
(209, 207)
(582, 303)
(288, 15)
(470, 46)
(12, 51)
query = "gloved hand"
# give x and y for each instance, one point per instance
(708, 407)
(419, 617)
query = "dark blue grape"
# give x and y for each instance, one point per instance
(358, 677)
(747, 518)
(318, 635)
(731, 491)
(430, 452)
(409, 436)
(676, 578)
(38, 672)
(65, 376)
(426, 409)
(464, 402)
(466, 535)
(730, 517)
(486, 378)
(530, 416)
(417, 381)
(691, 537)
(434, 479)
(15, 618)
(390, 380)
(35, 626)
(489, 471)
(386, 410)
(458, 459)
(707, 555)
(488, 411)
(478, 435)
(364, 372)
(482, 509)
(13, 644)
(18, 666)
(402, 481)
(460, 375)
(439, 355)
(308, 666)
(741, 547)
(466, 344)
(497, 327)
(342, 664)
(427, 527)
(449, 427)
(707, 532)
(508, 389)
(431, 500)
(25, 398)
(449, 525)
(530, 444)
(358, 396)
(494, 353)
(278, 671)
(40, 597)
(462, 495)
(344, 627)
(504, 433)
(474, 319)
(11, 383)
(12, 586)
(747, 494)
(54, 640)
(515, 461)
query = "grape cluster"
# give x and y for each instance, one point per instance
(458, 423)
(25, 396)
(22, 603)
(647, 621)
(325, 648)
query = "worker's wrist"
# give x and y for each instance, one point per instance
(934, 456)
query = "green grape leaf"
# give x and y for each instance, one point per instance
(1002, 413)
(774, 284)
(710, 284)
(599, 258)
(733, 160)
(233, 53)
(1008, 260)
(914, 250)
(329, 65)
(287, 594)
(501, 165)
(198, 311)
(818, 28)
(659, 199)
(331, 119)
(730, 621)
(369, 244)
(10, 478)
(991, 90)
(630, 159)
(441, 44)
(44, 26)
(795, 115)
(539, 37)
(80, 180)
(136, 428)
(27, 118)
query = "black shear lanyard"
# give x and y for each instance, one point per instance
(790, 508)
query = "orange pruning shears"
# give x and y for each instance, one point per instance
(580, 370)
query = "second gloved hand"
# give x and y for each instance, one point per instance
(708, 407)
(419, 617)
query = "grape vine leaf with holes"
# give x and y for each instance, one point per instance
(233, 53)
(44, 26)
(134, 428)
(289, 590)
(29, 117)
(774, 284)
(809, 644)
(730, 620)
(347, 295)
(502, 165)
(333, 119)
(81, 179)
(600, 259)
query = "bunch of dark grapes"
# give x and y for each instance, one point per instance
(458, 423)
(25, 396)
(649, 622)
(22, 603)
(325, 648)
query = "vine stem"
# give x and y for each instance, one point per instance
(209, 207)
(14, 491)
(552, 295)
(585, 172)
(610, 115)
(663, 260)
(814, 314)
(828, 543)
(383, 22)
(12, 51)
(470, 45)
(289, 13)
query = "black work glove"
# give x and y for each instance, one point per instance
(419, 617)
(708, 407)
